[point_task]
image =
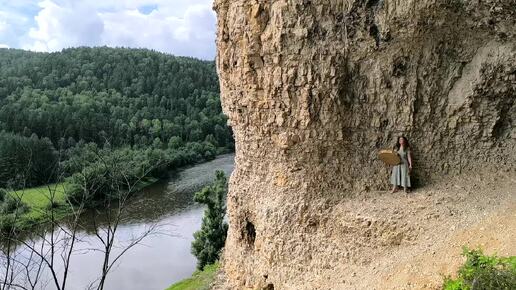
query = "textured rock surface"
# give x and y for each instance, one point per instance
(314, 88)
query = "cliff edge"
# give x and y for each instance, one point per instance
(313, 89)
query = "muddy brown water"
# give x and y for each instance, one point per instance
(164, 257)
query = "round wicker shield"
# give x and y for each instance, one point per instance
(390, 157)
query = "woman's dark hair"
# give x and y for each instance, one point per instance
(398, 145)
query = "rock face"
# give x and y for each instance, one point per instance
(314, 88)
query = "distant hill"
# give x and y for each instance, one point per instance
(131, 95)
(125, 97)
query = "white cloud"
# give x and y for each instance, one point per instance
(181, 27)
(4, 45)
(192, 34)
(60, 27)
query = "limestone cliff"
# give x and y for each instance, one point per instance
(314, 88)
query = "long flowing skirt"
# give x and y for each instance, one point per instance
(400, 175)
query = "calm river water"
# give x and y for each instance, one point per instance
(162, 258)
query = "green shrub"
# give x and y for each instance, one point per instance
(7, 223)
(12, 205)
(484, 272)
(209, 240)
(10, 210)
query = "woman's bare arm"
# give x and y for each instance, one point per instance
(410, 159)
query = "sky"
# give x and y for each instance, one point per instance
(179, 27)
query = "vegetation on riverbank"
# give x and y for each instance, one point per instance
(200, 280)
(29, 207)
(210, 239)
(484, 272)
(39, 201)
(100, 177)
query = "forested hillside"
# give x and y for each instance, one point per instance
(140, 104)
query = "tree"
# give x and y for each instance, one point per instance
(175, 142)
(32, 158)
(210, 239)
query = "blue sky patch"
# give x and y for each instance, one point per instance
(147, 9)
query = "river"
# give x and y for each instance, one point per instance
(163, 257)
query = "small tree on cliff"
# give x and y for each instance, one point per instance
(210, 239)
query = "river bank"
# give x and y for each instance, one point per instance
(40, 200)
(46, 203)
(38, 203)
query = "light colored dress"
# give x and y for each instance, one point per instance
(400, 173)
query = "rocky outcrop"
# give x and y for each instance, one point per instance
(314, 88)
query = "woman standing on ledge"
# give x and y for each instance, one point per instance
(401, 173)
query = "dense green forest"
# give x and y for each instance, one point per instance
(60, 111)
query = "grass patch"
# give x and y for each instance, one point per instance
(200, 280)
(39, 203)
(38, 197)
(484, 272)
